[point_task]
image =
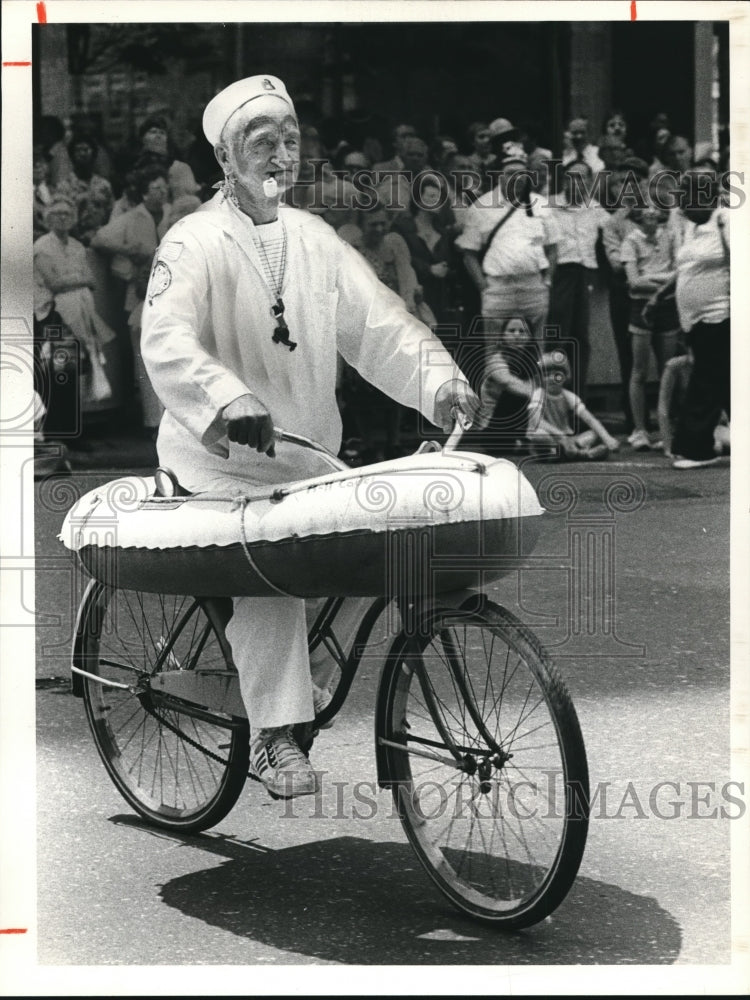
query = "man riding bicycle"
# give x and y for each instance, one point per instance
(248, 306)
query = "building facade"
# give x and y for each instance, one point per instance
(359, 79)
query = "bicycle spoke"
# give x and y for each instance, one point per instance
(478, 689)
(171, 766)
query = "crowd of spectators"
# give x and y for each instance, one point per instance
(489, 237)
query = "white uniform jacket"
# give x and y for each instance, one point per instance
(207, 339)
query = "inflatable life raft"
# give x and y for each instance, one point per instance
(422, 524)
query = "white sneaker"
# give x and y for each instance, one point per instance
(640, 441)
(694, 463)
(278, 763)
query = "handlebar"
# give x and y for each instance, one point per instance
(168, 486)
(303, 442)
(461, 425)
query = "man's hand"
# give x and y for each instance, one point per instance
(472, 265)
(250, 423)
(453, 398)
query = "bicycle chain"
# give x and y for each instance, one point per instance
(193, 743)
(184, 736)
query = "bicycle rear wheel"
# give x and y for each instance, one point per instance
(176, 765)
(482, 747)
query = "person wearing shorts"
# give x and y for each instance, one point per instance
(647, 254)
(508, 245)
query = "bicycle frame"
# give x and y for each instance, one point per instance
(321, 631)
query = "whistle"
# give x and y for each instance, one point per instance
(270, 187)
(281, 336)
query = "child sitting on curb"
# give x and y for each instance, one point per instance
(509, 376)
(553, 411)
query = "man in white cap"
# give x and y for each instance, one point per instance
(505, 138)
(248, 306)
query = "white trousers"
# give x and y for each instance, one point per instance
(268, 635)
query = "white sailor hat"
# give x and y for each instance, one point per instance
(221, 108)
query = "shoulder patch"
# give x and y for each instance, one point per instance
(161, 279)
(171, 250)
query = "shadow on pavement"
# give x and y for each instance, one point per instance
(357, 901)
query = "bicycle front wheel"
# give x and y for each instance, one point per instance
(176, 765)
(482, 747)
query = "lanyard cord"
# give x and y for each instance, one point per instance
(276, 284)
(281, 333)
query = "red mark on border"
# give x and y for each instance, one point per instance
(16, 64)
(41, 13)
(633, 11)
(12, 930)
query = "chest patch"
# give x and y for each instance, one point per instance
(161, 279)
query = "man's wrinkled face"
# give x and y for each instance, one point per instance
(256, 148)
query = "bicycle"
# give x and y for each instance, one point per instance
(471, 715)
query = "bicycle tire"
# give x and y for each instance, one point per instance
(179, 768)
(501, 863)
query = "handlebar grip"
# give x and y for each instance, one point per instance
(281, 435)
(462, 424)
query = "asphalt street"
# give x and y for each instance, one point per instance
(310, 883)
